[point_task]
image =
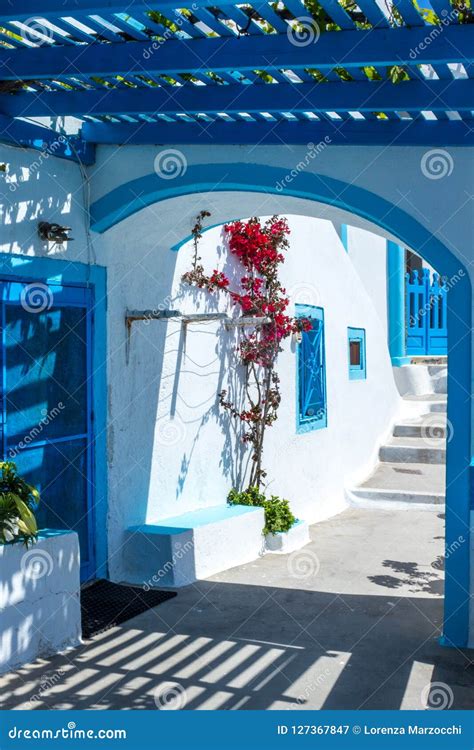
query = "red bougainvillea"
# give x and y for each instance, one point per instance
(260, 248)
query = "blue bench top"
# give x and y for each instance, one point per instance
(195, 518)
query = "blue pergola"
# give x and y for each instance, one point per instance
(144, 71)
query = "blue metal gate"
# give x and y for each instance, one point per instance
(46, 402)
(426, 314)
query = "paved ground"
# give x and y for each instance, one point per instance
(351, 621)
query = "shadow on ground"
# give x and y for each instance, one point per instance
(233, 646)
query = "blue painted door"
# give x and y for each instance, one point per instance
(311, 371)
(46, 402)
(426, 314)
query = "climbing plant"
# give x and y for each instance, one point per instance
(259, 247)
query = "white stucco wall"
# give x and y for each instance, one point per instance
(40, 612)
(38, 187)
(368, 254)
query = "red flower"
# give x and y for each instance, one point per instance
(217, 280)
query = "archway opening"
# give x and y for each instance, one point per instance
(204, 186)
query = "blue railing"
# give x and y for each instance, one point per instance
(426, 314)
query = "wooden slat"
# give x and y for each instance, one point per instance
(385, 96)
(346, 48)
(346, 133)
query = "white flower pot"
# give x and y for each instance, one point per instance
(285, 542)
(40, 611)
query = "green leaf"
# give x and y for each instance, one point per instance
(26, 516)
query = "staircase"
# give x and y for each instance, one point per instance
(411, 468)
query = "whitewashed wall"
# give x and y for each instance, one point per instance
(38, 187)
(368, 254)
(39, 599)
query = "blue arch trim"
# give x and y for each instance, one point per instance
(131, 197)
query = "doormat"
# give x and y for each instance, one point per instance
(105, 604)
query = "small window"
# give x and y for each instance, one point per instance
(357, 356)
(311, 372)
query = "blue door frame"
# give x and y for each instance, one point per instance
(71, 285)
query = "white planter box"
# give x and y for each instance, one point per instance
(285, 542)
(40, 611)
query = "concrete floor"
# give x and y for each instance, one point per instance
(351, 621)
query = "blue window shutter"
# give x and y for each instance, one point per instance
(311, 371)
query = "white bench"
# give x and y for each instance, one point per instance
(176, 551)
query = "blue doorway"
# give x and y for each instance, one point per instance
(426, 314)
(47, 402)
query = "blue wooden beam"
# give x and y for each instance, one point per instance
(321, 134)
(351, 49)
(29, 135)
(361, 96)
(15, 10)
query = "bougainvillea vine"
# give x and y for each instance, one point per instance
(260, 248)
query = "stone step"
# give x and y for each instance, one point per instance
(431, 361)
(406, 484)
(432, 425)
(380, 496)
(437, 369)
(430, 402)
(429, 450)
(439, 379)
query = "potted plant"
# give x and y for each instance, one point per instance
(282, 531)
(17, 503)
